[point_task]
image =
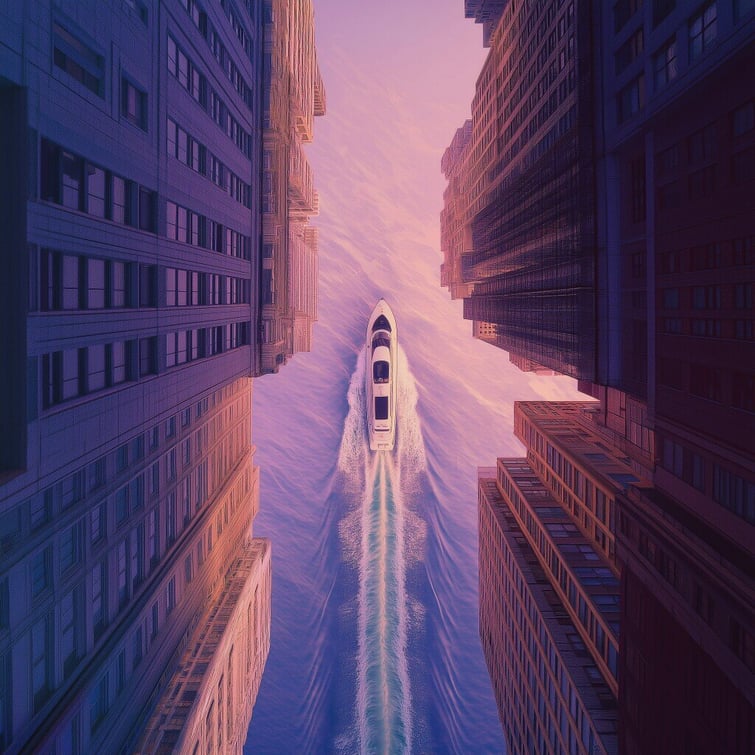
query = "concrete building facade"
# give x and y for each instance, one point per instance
(669, 346)
(132, 133)
(294, 96)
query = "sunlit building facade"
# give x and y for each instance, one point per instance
(131, 207)
(547, 521)
(454, 218)
(293, 96)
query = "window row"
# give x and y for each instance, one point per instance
(70, 282)
(78, 372)
(73, 282)
(189, 227)
(713, 297)
(193, 153)
(219, 51)
(195, 83)
(78, 59)
(69, 180)
(188, 345)
(186, 288)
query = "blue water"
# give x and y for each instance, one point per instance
(375, 644)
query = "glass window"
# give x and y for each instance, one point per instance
(118, 200)
(146, 210)
(182, 146)
(95, 284)
(664, 65)
(69, 274)
(95, 191)
(69, 374)
(78, 60)
(96, 373)
(117, 284)
(133, 104)
(703, 28)
(72, 181)
(118, 368)
(381, 407)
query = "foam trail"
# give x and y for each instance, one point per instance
(384, 702)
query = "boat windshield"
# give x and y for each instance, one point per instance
(381, 339)
(381, 407)
(380, 372)
(381, 324)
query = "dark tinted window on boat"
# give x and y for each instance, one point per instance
(381, 407)
(381, 324)
(380, 372)
(381, 340)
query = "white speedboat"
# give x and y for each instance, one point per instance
(380, 377)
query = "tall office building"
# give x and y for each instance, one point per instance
(671, 348)
(134, 599)
(294, 95)
(549, 578)
(485, 12)
(454, 218)
(531, 188)
(676, 274)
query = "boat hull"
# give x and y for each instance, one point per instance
(381, 354)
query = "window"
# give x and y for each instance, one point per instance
(170, 519)
(147, 202)
(133, 104)
(629, 51)
(148, 356)
(623, 10)
(122, 573)
(138, 647)
(664, 65)
(701, 146)
(41, 662)
(155, 620)
(99, 700)
(97, 522)
(99, 599)
(72, 545)
(170, 595)
(153, 536)
(118, 200)
(706, 382)
(118, 362)
(78, 60)
(631, 98)
(743, 119)
(637, 171)
(71, 645)
(72, 181)
(661, 9)
(742, 8)
(95, 191)
(743, 391)
(381, 407)
(702, 30)
(41, 571)
(702, 183)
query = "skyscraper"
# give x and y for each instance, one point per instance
(530, 259)
(294, 95)
(555, 510)
(670, 346)
(132, 136)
